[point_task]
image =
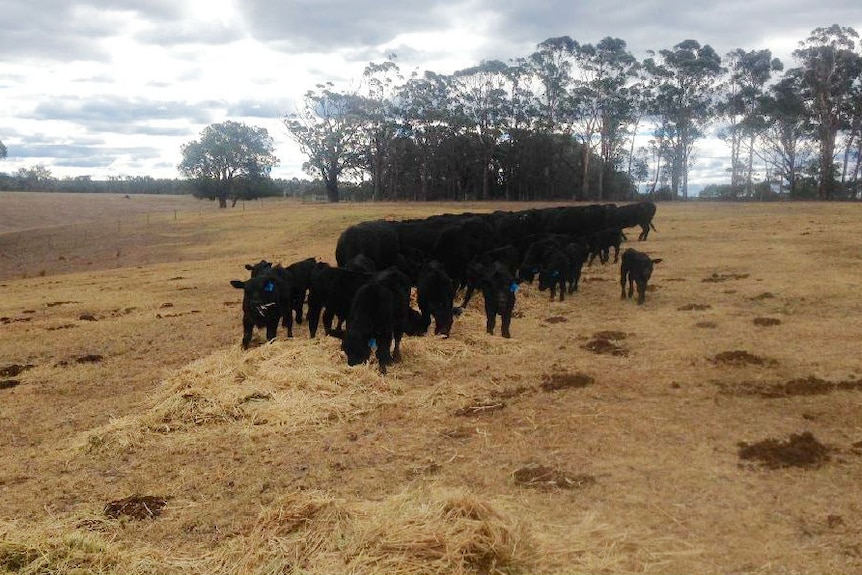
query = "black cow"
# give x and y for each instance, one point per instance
(578, 253)
(266, 300)
(556, 271)
(637, 214)
(498, 288)
(299, 274)
(600, 244)
(378, 317)
(538, 251)
(508, 255)
(332, 290)
(376, 239)
(435, 296)
(636, 268)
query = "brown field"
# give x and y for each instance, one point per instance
(716, 429)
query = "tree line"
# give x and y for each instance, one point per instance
(561, 123)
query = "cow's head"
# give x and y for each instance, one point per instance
(259, 268)
(357, 347)
(548, 278)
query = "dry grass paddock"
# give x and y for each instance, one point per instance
(716, 429)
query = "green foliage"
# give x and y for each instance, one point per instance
(231, 161)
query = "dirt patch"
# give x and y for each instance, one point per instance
(56, 303)
(9, 383)
(763, 296)
(542, 477)
(802, 386)
(605, 346)
(87, 317)
(801, 450)
(555, 381)
(595, 279)
(611, 334)
(511, 392)
(480, 408)
(717, 278)
(90, 358)
(739, 357)
(694, 307)
(556, 319)
(14, 369)
(59, 327)
(766, 321)
(138, 507)
(706, 325)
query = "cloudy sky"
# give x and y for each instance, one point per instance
(115, 87)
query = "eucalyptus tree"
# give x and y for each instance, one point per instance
(425, 109)
(602, 103)
(787, 143)
(831, 67)
(231, 160)
(327, 127)
(684, 81)
(379, 123)
(483, 109)
(552, 66)
(739, 105)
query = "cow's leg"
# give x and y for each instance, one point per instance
(328, 316)
(468, 294)
(313, 317)
(623, 273)
(490, 315)
(384, 357)
(562, 287)
(616, 253)
(576, 277)
(271, 329)
(505, 321)
(247, 331)
(396, 353)
(644, 232)
(631, 285)
(288, 323)
(605, 255)
(641, 292)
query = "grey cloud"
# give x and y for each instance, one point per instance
(328, 25)
(120, 115)
(661, 24)
(178, 33)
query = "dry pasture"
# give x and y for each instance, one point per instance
(717, 428)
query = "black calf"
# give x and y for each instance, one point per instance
(636, 267)
(498, 288)
(266, 300)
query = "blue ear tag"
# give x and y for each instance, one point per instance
(269, 287)
(555, 275)
(513, 287)
(535, 270)
(372, 343)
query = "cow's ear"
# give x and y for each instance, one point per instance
(657, 261)
(238, 284)
(249, 267)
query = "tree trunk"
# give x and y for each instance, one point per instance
(332, 190)
(222, 200)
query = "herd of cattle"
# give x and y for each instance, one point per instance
(381, 262)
